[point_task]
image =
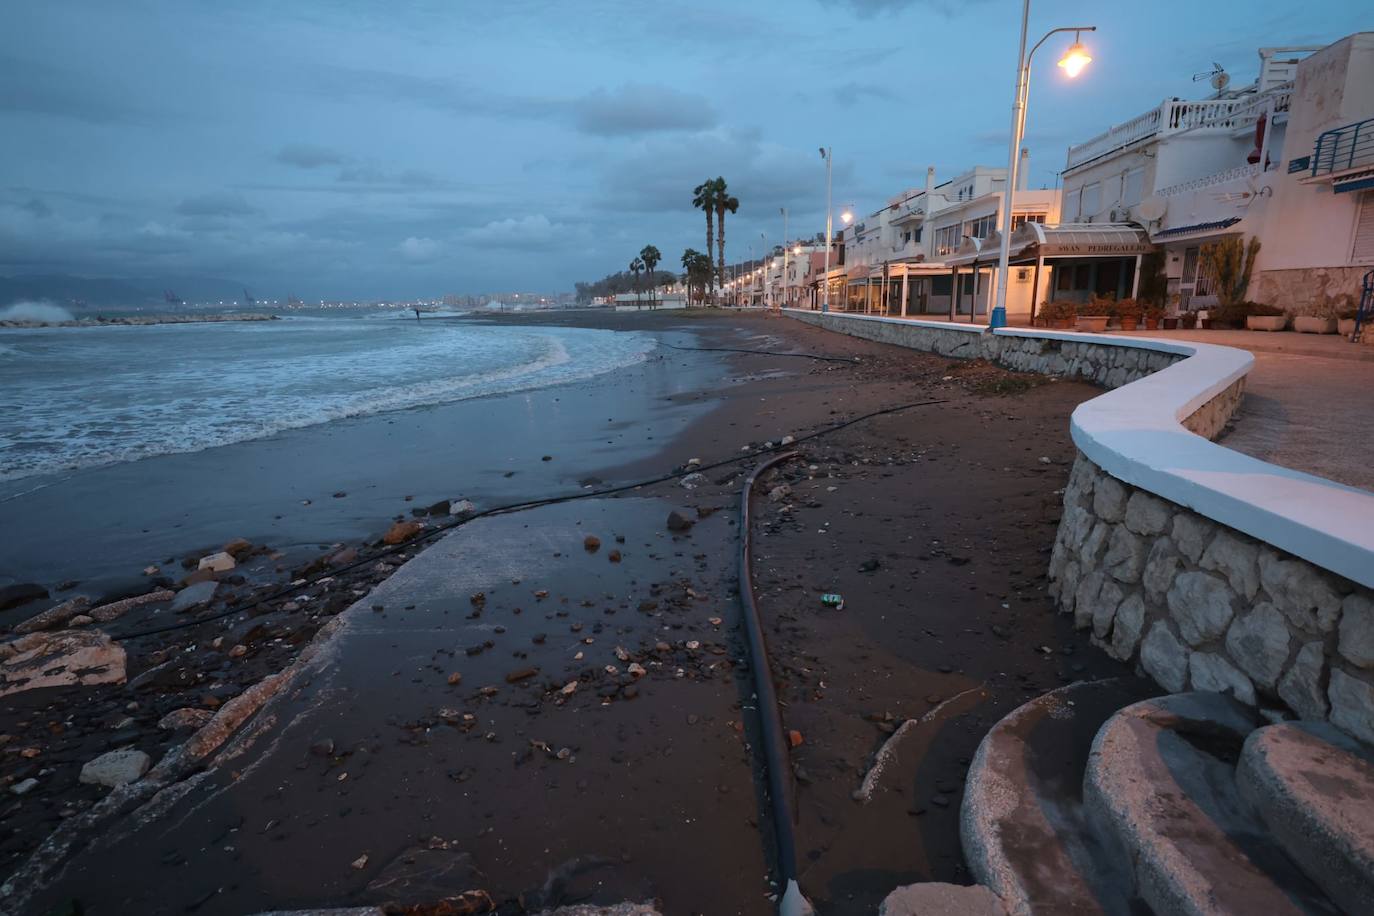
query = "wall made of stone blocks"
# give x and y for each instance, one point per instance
(1200, 606)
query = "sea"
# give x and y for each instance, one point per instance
(81, 397)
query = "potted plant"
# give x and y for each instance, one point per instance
(1261, 317)
(1229, 262)
(1171, 319)
(1203, 318)
(1059, 314)
(1094, 314)
(1188, 320)
(1154, 314)
(1317, 318)
(1129, 312)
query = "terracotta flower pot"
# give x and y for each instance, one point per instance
(1346, 326)
(1130, 324)
(1065, 324)
(1093, 323)
(1170, 324)
(1152, 324)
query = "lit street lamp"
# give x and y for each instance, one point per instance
(827, 153)
(1072, 63)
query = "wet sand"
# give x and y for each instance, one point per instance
(935, 524)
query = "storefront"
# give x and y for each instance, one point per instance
(1076, 261)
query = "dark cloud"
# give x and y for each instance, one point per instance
(636, 109)
(307, 156)
(217, 204)
(32, 87)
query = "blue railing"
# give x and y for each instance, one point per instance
(1344, 148)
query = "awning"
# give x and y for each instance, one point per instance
(1356, 182)
(1069, 240)
(1213, 226)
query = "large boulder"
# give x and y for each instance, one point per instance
(401, 532)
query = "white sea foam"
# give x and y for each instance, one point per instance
(38, 312)
(120, 394)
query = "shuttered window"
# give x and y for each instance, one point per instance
(1364, 231)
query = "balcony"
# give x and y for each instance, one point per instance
(1346, 152)
(1176, 116)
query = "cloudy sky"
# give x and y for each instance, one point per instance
(415, 147)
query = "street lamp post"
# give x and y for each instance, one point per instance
(784, 258)
(1073, 62)
(827, 153)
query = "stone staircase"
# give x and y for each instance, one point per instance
(1101, 797)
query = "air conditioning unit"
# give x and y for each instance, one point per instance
(1120, 214)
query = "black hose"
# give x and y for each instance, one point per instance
(770, 718)
(503, 510)
(832, 359)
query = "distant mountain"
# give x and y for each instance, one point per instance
(69, 291)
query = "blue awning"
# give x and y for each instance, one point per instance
(1201, 227)
(1354, 183)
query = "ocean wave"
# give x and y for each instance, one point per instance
(253, 392)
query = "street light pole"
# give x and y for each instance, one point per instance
(784, 258)
(827, 153)
(1073, 62)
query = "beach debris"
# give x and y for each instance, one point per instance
(455, 679)
(107, 612)
(779, 493)
(462, 507)
(693, 462)
(359, 863)
(22, 593)
(323, 748)
(788, 440)
(521, 674)
(216, 562)
(679, 522)
(569, 688)
(591, 543)
(872, 564)
(613, 556)
(152, 570)
(54, 616)
(547, 458)
(636, 669)
(692, 481)
(400, 532)
(238, 651)
(794, 738)
(60, 659)
(116, 768)
(186, 717)
(237, 547)
(835, 601)
(194, 596)
(23, 788)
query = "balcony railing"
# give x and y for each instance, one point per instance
(1348, 147)
(1176, 115)
(1197, 184)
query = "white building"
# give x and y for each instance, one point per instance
(1242, 162)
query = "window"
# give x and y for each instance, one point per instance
(1133, 187)
(982, 227)
(1071, 208)
(1363, 251)
(946, 240)
(917, 236)
(1020, 219)
(1091, 205)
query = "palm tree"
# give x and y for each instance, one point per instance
(650, 256)
(698, 269)
(704, 198)
(636, 266)
(723, 202)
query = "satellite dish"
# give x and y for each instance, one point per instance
(1220, 80)
(1152, 208)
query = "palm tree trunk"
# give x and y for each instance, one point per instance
(720, 244)
(711, 272)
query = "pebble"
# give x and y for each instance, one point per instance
(455, 679)
(23, 788)
(591, 543)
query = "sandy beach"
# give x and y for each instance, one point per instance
(933, 523)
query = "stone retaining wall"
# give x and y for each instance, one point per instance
(1108, 365)
(1202, 606)
(1195, 603)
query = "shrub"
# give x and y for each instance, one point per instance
(1154, 312)
(1129, 308)
(1188, 320)
(1262, 309)
(1058, 310)
(1097, 306)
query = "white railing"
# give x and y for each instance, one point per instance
(1176, 115)
(1197, 184)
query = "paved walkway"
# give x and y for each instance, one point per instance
(1307, 401)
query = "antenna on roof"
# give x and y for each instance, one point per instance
(1217, 76)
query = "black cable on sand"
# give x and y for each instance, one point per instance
(776, 759)
(832, 359)
(516, 507)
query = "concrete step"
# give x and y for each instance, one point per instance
(1161, 788)
(1314, 787)
(1022, 824)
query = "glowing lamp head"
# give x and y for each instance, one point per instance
(1075, 59)
(797, 250)
(846, 217)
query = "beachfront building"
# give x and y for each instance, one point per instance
(1279, 159)
(896, 260)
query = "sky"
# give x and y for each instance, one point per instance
(360, 148)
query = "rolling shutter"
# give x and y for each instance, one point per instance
(1364, 230)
